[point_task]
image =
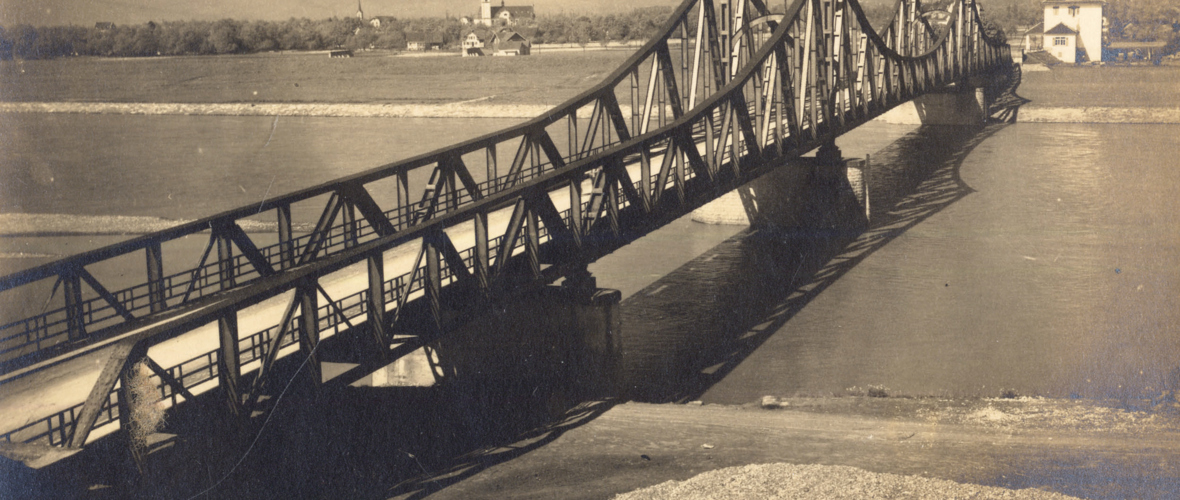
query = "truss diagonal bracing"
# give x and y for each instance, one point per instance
(721, 95)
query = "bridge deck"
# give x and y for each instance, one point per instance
(740, 93)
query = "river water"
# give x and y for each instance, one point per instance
(1036, 258)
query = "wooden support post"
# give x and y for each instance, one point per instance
(155, 277)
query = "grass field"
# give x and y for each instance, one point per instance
(544, 78)
(1102, 86)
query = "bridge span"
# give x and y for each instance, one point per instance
(400, 257)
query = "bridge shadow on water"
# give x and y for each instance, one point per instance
(691, 328)
(682, 334)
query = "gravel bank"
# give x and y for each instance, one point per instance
(773, 481)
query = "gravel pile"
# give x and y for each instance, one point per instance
(771, 481)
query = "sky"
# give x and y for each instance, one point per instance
(87, 12)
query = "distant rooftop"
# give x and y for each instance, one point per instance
(1061, 29)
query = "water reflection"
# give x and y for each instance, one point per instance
(693, 328)
(1037, 259)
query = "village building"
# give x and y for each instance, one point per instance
(1073, 30)
(506, 42)
(504, 15)
(511, 43)
(421, 40)
(1130, 50)
(379, 21)
(475, 41)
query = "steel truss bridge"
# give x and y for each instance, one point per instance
(725, 93)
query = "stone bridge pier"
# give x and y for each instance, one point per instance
(560, 342)
(822, 194)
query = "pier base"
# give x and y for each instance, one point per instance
(563, 339)
(822, 193)
(963, 106)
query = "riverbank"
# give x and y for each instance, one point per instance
(1041, 448)
(547, 78)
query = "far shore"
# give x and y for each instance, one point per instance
(486, 108)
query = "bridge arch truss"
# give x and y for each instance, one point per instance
(727, 91)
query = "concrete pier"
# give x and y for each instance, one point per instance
(954, 106)
(806, 194)
(565, 338)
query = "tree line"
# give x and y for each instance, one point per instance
(1143, 20)
(230, 36)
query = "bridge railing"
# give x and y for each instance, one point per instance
(64, 304)
(746, 94)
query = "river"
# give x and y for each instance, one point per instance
(1041, 259)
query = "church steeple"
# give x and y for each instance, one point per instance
(360, 13)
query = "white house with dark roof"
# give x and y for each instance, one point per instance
(1073, 29)
(511, 43)
(476, 40)
(504, 15)
(423, 40)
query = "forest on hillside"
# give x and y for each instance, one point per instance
(1144, 20)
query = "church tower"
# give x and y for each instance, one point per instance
(485, 12)
(360, 13)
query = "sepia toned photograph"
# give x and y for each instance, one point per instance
(590, 249)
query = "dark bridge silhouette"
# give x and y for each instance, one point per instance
(726, 93)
